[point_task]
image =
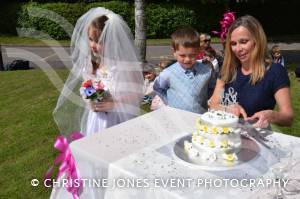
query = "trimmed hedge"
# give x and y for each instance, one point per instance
(162, 19)
(71, 12)
(126, 10)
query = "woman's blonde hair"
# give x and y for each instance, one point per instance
(259, 57)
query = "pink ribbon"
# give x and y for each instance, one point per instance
(68, 165)
(229, 17)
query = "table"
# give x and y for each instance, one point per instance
(139, 151)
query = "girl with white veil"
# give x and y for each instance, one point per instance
(102, 49)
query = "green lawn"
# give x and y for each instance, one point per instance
(14, 40)
(28, 130)
(295, 91)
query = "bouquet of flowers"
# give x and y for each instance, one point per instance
(94, 90)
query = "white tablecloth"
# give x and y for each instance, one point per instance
(140, 151)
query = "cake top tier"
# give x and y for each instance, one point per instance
(219, 118)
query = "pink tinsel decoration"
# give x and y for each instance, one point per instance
(229, 17)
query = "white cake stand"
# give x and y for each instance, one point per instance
(249, 150)
(254, 159)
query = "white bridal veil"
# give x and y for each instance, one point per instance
(120, 58)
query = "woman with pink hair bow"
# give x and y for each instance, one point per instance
(259, 83)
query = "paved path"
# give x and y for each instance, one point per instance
(291, 52)
(59, 57)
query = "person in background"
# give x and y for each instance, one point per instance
(165, 63)
(157, 102)
(205, 41)
(210, 57)
(205, 45)
(149, 77)
(276, 55)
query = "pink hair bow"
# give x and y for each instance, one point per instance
(229, 17)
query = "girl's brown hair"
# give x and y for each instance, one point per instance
(99, 24)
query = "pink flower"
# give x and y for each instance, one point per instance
(99, 86)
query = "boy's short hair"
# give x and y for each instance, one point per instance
(186, 37)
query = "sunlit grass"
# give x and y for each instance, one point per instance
(27, 131)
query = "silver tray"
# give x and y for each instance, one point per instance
(250, 151)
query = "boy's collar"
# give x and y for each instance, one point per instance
(193, 69)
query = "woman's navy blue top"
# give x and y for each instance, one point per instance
(261, 96)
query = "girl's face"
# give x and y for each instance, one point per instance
(94, 35)
(242, 44)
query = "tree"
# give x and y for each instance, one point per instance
(140, 28)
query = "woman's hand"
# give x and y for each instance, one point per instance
(237, 110)
(264, 118)
(103, 106)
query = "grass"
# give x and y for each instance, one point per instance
(15, 40)
(295, 92)
(28, 130)
(22, 41)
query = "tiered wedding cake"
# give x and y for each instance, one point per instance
(216, 137)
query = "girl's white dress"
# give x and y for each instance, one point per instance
(96, 121)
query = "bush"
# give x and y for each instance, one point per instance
(71, 12)
(163, 19)
(126, 10)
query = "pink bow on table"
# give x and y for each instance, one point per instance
(68, 165)
(229, 17)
